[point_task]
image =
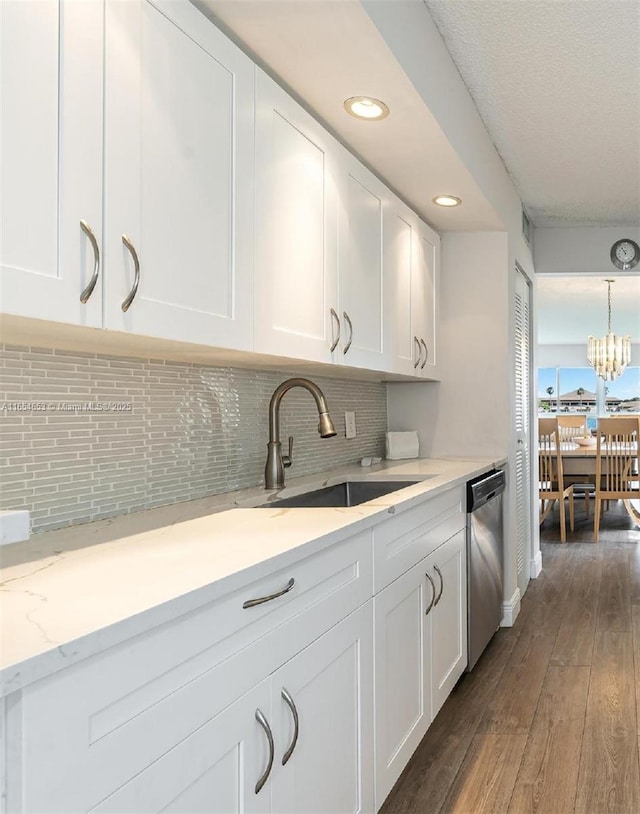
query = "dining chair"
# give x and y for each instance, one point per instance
(551, 485)
(569, 427)
(617, 473)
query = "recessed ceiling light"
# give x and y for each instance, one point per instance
(447, 200)
(365, 107)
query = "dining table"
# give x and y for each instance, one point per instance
(579, 467)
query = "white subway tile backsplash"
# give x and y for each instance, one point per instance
(101, 436)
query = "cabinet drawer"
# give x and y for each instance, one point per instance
(405, 539)
(89, 729)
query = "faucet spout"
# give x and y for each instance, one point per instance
(276, 463)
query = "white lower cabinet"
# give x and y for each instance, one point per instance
(214, 770)
(420, 626)
(448, 568)
(301, 741)
(330, 686)
(295, 701)
(402, 674)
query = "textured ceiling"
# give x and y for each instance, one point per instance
(557, 83)
(571, 308)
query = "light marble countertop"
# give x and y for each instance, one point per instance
(70, 593)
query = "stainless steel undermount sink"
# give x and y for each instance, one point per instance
(348, 493)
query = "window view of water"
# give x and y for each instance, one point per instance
(576, 390)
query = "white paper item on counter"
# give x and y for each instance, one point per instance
(401, 445)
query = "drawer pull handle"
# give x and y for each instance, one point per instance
(88, 291)
(296, 724)
(267, 731)
(439, 573)
(136, 280)
(433, 594)
(350, 324)
(250, 603)
(337, 339)
(426, 353)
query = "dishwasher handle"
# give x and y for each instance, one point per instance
(485, 488)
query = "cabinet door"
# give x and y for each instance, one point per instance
(214, 770)
(402, 673)
(51, 158)
(448, 567)
(296, 228)
(330, 684)
(400, 249)
(178, 174)
(424, 310)
(361, 267)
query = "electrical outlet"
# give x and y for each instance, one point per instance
(350, 424)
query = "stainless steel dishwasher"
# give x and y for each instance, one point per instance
(485, 555)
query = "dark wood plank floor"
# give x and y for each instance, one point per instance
(549, 719)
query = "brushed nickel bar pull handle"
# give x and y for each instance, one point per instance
(418, 360)
(251, 603)
(88, 291)
(426, 353)
(337, 339)
(296, 725)
(433, 593)
(267, 731)
(136, 280)
(439, 573)
(350, 324)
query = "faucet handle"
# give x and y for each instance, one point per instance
(287, 460)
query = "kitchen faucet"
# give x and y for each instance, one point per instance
(276, 461)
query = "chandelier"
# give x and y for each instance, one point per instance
(610, 355)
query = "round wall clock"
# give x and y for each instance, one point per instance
(625, 254)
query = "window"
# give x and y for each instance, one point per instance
(547, 389)
(623, 395)
(579, 390)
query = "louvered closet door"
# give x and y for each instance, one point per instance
(522, 328)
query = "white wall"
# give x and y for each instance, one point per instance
(572, 355)
(468, 413)
(581, 250)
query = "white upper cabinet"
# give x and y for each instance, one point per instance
(178, 176)
(412, 260)
(296, 229)
(362, 205)
(51, 160)
(156, 182)
(424, 302)
(400, 227)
